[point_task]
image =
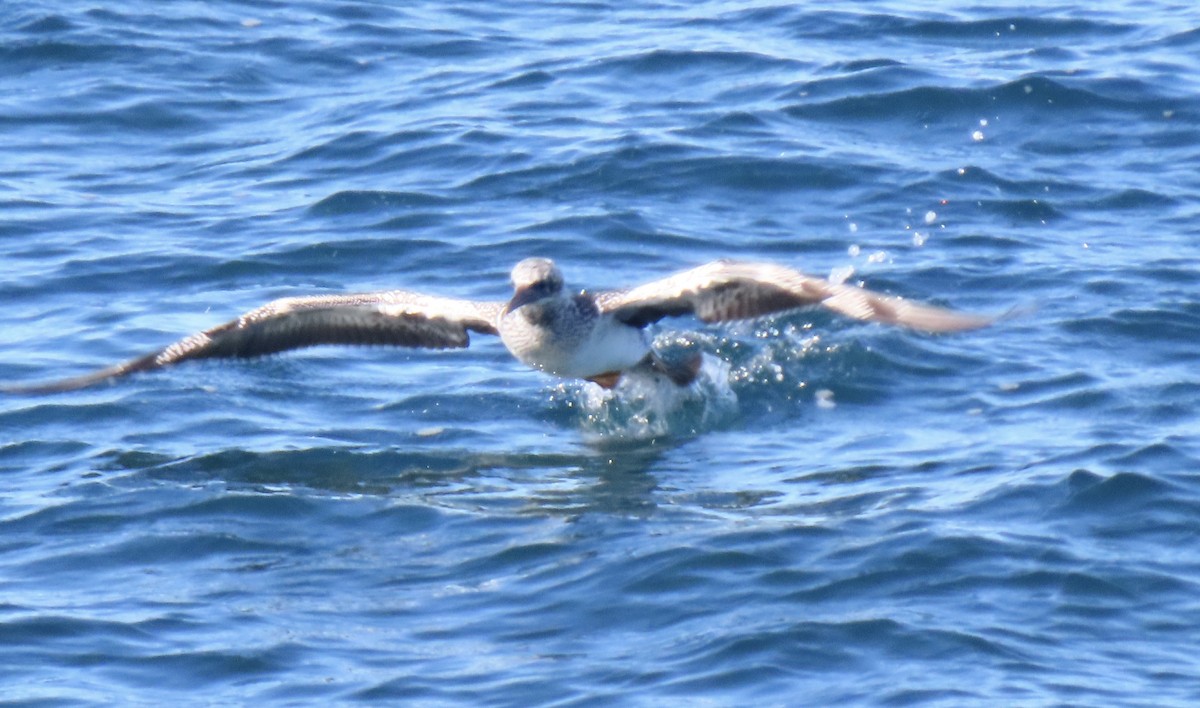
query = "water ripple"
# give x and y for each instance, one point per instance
(842, 511)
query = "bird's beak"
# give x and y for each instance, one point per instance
(523, 296)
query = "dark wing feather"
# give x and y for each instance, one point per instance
(725, 290)
(395, 318)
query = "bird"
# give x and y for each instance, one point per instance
(598, 337)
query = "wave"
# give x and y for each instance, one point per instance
(1032, 95)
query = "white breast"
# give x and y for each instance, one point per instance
(612, 346)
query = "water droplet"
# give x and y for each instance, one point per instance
(841, 274)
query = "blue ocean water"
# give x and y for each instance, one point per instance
(840, 513)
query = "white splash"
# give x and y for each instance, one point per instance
(648, 405)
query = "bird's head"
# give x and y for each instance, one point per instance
(534, 280)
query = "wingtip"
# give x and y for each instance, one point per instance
(954, 321)
(1016, 312)
(946, 321)
(76, 383)
(47, 388)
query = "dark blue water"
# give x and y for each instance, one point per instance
(839, 513)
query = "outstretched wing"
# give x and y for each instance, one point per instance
(396, 318)
(726, 290)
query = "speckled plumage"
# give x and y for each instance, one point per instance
(572, 335)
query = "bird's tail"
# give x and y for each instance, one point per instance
(683, 373)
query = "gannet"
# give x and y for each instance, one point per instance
(577, 335)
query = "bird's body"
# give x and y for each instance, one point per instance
(569, 337)
(581, 335)
(566, 335)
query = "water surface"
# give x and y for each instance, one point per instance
(840, 513)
